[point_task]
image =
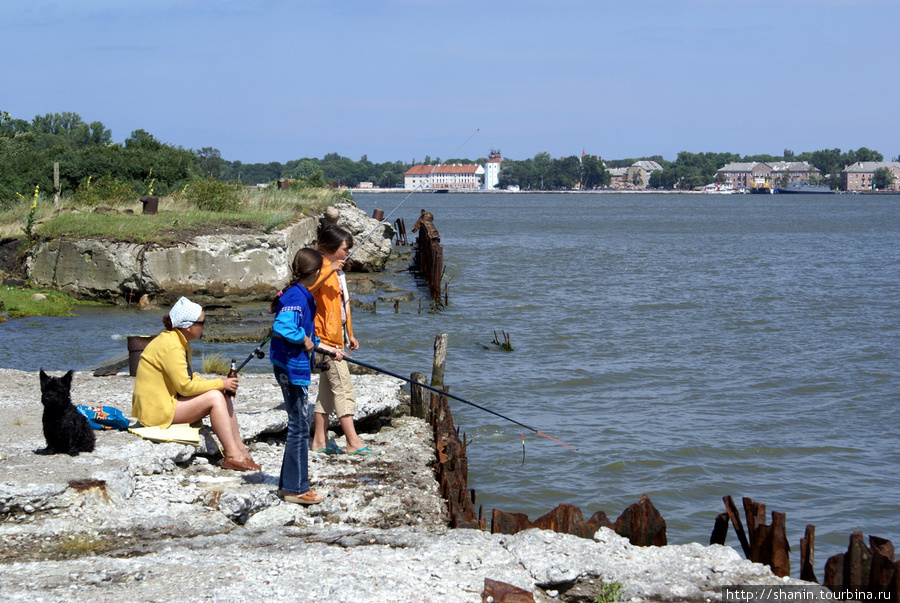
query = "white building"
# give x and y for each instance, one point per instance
(492, 171)
(443, 177)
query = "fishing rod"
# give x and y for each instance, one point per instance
(257, 352)
(385, 219)
(442, 392)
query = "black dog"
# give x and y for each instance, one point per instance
(65, 429)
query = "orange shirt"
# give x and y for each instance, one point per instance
(327, 291)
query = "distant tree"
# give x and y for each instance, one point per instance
(209, 161)
(10, 127)
(316, 180)
(883, 178)
(783, 180)
(67, 130)
(788, 154)
(517, 173)
(638, 178)
(541, 170)
(826, 161)
(656, 179)
(565, 173)
(141, 139)
(388, 179)
(304, 169)
(862, 154)
(592, 173)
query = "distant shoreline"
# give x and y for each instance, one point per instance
(505, 192)
(591, 192)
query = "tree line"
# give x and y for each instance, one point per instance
(543, 172)
(84, 151)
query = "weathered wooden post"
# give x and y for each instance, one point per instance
(440, 359)
(417, 405)
(56, 183)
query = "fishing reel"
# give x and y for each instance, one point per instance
(322, 366)
(260, 354)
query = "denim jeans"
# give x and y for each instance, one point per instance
(295, 466)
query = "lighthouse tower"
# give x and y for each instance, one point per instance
(492, 171)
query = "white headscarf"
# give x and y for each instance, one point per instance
(185, 313)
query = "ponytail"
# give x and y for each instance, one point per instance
(306, 263)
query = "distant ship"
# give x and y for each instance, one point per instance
(802, 188)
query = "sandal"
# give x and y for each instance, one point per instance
(307, 498)
(331, 449)
(236, 465)
(364, 450)
(249, 461)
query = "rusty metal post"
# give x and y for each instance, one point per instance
(642, 524)
(882, 562)
(720, 529)
(857, 562)
(501, 592)
(780, 550)
(807, 555)
(735, 518)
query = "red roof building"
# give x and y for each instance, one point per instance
(447, 177)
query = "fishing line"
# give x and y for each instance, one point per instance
(258, 353)
(385, 219)
(443, 393)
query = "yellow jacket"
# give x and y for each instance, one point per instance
(162, 376)
(327, 291)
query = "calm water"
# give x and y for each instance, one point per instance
(690, 347)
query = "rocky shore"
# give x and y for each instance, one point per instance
(143, 521)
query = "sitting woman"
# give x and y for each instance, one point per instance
(167, 391)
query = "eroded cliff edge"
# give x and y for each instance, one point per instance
(237, 266)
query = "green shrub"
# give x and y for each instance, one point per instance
(210, 194)
(215, 364)
(610, 592)
(105, 189)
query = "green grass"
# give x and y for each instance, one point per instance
(18, 303)
(260, 210)
(610, 592)
(81, 544)
(164, 227)
(215, 364)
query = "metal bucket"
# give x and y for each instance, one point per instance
(136, 345)
(151, 204)
(378, 214)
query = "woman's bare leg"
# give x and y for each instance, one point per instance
(222, 416)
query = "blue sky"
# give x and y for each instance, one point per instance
(394, 80)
